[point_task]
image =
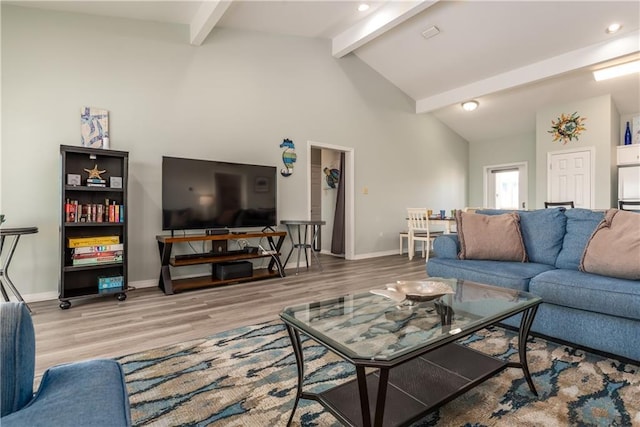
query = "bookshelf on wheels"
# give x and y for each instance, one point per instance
(93, 226)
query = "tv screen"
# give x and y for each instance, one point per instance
(204, 194)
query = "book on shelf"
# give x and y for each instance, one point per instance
(97, 260)
(93, 212)
(96, 181)
(117, 255)
(97, 248)
(75, 242)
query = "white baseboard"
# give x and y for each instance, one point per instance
(53, 295)
(376, 254)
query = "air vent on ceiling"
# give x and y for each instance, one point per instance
(430, 32)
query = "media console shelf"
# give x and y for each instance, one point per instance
(170, 286)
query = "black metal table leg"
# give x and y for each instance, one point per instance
(297, 351)
(382, 396)
(525, 326)
(364, 395)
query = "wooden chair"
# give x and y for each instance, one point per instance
(559, 204)
(626, 205)
(419, 231)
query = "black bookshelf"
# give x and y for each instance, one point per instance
(96, 214)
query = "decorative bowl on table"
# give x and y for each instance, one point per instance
(423, 290)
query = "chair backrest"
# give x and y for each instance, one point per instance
(628, 205)
(417, 219)
(17, 357)
(561, 204)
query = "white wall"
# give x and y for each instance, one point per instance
(513, 149)
(601, 132)
(232, 99)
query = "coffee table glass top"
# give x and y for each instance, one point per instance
(373, 327)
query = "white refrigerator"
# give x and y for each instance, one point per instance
(629, 184)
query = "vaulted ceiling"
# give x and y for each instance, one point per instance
(513, 57)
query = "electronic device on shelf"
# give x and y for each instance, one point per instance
(211, 195)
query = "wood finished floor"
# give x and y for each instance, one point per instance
(104, 327)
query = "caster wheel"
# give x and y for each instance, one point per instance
(121, 297)
(65, 305)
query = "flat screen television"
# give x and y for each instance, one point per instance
(206, 194)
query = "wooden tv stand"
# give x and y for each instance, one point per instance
(165, 244)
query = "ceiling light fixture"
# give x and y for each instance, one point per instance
(617, 71)
(362, 7)
(470, 105)
(613, 28)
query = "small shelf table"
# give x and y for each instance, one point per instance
(4, 269)
(302, 244)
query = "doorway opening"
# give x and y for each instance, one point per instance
(318, 188)
(505, 186)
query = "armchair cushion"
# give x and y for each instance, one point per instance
(92, 393)
(17, 357)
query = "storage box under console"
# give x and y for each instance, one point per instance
(233, 270)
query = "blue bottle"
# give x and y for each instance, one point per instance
(627, 135)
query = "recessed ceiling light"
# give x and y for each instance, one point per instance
(613, 28)
(470, 105)
(617, 71)
(362, 7)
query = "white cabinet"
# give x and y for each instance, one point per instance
(629, 154)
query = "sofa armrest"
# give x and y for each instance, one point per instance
(446, 246)
(92, 393)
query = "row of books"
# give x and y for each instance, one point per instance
(95, 250)
(93, 212)
(92, 258)
(96, 182)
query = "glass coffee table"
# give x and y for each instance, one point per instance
(406, 359)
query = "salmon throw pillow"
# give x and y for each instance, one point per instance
(614, 247)
(490, 237)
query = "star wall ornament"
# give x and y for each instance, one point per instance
(94, 173)
(567, 128)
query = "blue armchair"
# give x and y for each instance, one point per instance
(89, 393)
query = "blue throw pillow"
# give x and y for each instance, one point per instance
(581, 223)
(542, 231)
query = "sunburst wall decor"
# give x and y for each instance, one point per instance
(567, 128)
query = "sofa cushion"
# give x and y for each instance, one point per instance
(446, 246)
(585, 291)
(541, 247)
(490, 237)
(614, 248)
(580, 226)
(508, 274)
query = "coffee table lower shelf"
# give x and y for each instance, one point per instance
(415, 388)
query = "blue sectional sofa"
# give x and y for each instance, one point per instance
(589, 310)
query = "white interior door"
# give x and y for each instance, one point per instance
(569, 177)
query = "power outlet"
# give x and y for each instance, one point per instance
(218, 246)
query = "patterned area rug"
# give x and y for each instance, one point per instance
(247, 377)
